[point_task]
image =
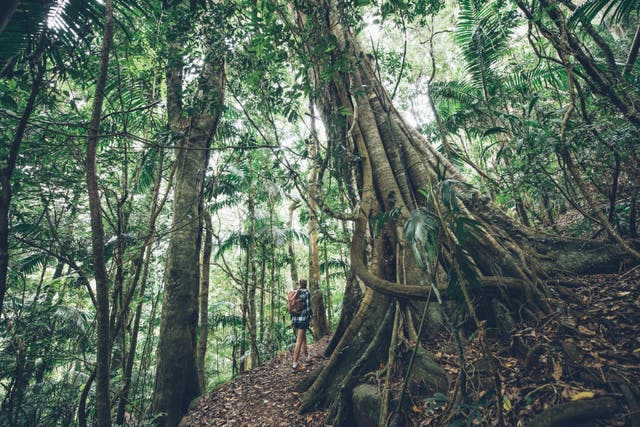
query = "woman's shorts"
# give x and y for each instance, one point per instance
(304, 324)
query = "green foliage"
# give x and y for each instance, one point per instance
(502, 96)
(422, 233)
(484, 31)
(613, 10)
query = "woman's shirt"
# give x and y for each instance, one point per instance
(306, 312)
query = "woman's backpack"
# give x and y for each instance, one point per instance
(294, 302)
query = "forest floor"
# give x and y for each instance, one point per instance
(588, 349)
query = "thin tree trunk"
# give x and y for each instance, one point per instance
(633, 212)
(103, 399)
(327, 278)
(204, 300)
(6, 173)
(261, 281)
(320, 325)
(84, 395)
(633, 52)
(252, 285)
(292, 255)
(613, 193)
(141, 265)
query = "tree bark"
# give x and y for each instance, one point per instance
(103, 399)
(251, 324)
(176, 383)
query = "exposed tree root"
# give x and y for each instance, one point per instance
(340, 409)
(576, 413)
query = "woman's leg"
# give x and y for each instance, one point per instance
(304, 350)
(300, 337)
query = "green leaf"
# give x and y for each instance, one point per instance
(493, 131)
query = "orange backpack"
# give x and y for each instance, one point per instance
(294, 302)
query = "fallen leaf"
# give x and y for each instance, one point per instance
(557, 371)
(506, 403)
(583, 395)
(585, 330)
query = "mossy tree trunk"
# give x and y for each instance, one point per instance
(176, 383)
(401, 174)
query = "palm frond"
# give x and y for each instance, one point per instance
(31, 263)
(531, 81)
(21, 27)
(333, 264)
(614, 10)
(235, 239)
(462, 92)
(483, 37)
(67, 22)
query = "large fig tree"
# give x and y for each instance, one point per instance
(419, 229)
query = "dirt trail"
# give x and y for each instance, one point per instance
(261, 397)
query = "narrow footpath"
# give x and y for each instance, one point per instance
(261, 397)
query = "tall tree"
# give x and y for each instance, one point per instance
(192, 129)
(402, 181)
(103, 399)
(320, 325)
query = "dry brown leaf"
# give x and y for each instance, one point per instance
(557, 371)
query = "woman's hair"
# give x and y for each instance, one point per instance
(303, 283)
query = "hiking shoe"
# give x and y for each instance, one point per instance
(295, 365)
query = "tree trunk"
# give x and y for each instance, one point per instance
(251, 324)
(633, 52)
(292, 254)
(327, 279)
(633, 211)
(103, 399)
(204, 300)
(398, 172)
(176, 383)
(141, 268)
(319, 324)
(7, 172)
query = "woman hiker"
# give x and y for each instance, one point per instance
(300, 323)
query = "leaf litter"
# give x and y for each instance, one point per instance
(588, 348)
